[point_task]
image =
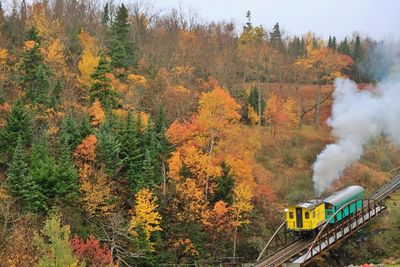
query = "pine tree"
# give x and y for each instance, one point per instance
(39, 93)
(253, 100)
(121, 48)
(21, 183)
(33, 35)
(85, 128)
(225, 185)
(131, 152)
(105, 18)
(42, 170)
(330, 42)
(56, 94)
(334, 44)
(70, 133)
(18, 169)
(276, 38)
(109, 146)
(101, 87)
(66, 175)
(149, 177)
(30, 60)
(344, 47)
(18, 125)
(357, 55)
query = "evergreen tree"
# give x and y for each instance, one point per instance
(253, 100)
(334, 44)
(42, 170)
(344, 47)
(131, 152)
(33, 35)
(225, 185)
(18, 125)
(66, 175)
(121, 48)
(105, 18)
(276, 38)
(21, 183)
(30, 60)
(39, 92)
(18, 169)
(56, 94)
(70, 133)
(150, 176)
(357, 56)
(101, 87)
(109, 147)
(330, 42)
(85, 128)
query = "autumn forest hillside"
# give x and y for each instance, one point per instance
(134, 137)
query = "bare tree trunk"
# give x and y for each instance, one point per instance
(317, 106)
(164, 175)
(234, 243)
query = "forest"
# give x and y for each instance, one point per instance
(135, 137)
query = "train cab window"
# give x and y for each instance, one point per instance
(291, 215)
(307, 215)
(313, 214)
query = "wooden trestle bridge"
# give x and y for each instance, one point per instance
(284, 248)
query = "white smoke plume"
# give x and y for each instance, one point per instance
(357, 117)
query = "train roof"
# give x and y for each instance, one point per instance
(343, 194)
(310, 204)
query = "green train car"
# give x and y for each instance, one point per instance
(310, 215)
(340, 198)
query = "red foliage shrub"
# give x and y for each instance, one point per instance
(91, 251)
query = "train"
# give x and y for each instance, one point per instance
(306, 218)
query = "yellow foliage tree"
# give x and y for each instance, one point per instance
(87, 65)
(55, 56)
(96, 188)
(240, 209)
(89, 59)
(252, 115)
(145, 215)
(4, 68)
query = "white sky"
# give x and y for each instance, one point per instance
(379, 19)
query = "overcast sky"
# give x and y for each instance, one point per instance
(376, 18)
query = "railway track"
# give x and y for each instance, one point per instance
(287, 253)
(297, 247)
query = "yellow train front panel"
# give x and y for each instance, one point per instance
(305, 216)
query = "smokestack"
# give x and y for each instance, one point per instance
(357, 117)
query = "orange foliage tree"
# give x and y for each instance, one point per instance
(96, 188)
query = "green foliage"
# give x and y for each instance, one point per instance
(101, 87)
(66, 176)
(121, 49)
(39, 93)
(276, 40)
(109, 147)
(225, 185)
(18, 125)
(55, 244)
(344, 47)
(56, 95)
(21, 183)
(33, 35)
(30, 60)
(42, 170)
(70, 134)
(131, 151)
(296, 47)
